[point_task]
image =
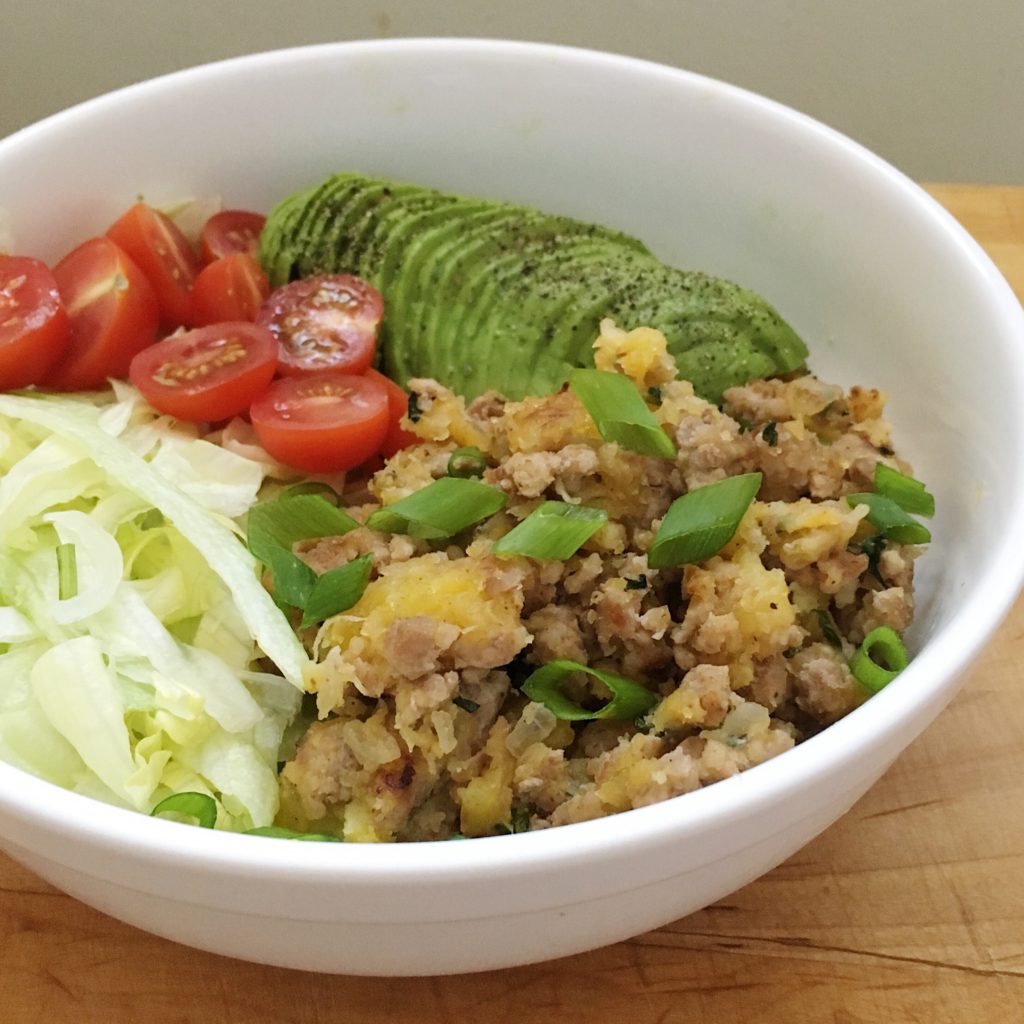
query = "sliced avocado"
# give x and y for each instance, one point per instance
(484, 294)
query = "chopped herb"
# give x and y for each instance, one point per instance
(654, 394)
(873, 547)
(745, 424)
(520, 820)
(828, 629)
(642, 723)
(770, 434)
(414, 412)
(640, 583)
(466, 704)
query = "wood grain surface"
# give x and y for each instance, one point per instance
(910, 909)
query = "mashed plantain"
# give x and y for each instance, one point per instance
(424, 731)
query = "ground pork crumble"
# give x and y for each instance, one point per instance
(424, 731)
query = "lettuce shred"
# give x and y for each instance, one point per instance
(146, 680)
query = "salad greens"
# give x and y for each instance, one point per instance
(142, 680)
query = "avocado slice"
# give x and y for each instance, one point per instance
(479, 293)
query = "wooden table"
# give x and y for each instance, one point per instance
(910, 909)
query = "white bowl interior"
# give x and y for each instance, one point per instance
(885, 287)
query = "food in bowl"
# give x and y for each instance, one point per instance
(547, 605)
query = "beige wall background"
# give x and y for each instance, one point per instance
(935, 86)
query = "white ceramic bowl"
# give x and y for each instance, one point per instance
(886, 288)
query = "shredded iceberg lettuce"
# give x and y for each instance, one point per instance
(144, 681)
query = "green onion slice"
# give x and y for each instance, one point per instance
(441, 509)
(200, 806)
(889, 519)
(284, 521)
(311, 487)
(884, 643)
(274, 526)
(336, 590)
(702, 522)
(467, 462)
(467, 705)
(553, 531)
(276, 832)
(620, 413)
(629, 699)
(67, 572)
(910, 494)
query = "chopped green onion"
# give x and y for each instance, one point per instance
(467, 462)
(553, 531)
(770, 434)
(889, 519)
(466, 704)
(654, 394)
(336, 590)
(311, 487)
(441, 509)
(284, 521)
(275, 526)
(620, 413)
(864, 664)
(629, 699)
(744, 424)
(910, 494)
(828, 629)
(67, 572)
(640, 583)
(702, 522)
(200, 806)
(413, 410)
(276, 832)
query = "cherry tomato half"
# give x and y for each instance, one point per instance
(209, 374)
(398, 406)
(323, 422)
(163, 254)
(328, 322)
(231, 288)
(33, 323)
(231, 231)
(113, 314)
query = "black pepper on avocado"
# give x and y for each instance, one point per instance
(482, 294)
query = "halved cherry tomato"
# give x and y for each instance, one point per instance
(231, 288)
(163, 254)
(328, 322)
(209, 374)
(231, 231)
(398, 406)
(323, 422)
(113, 314)
(34, 328)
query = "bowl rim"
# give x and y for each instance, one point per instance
(925, 685)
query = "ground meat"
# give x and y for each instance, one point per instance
(556, 634)
(429, 722)
(892, 607)
(414, 646)
(530, 474)
(824, 685)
